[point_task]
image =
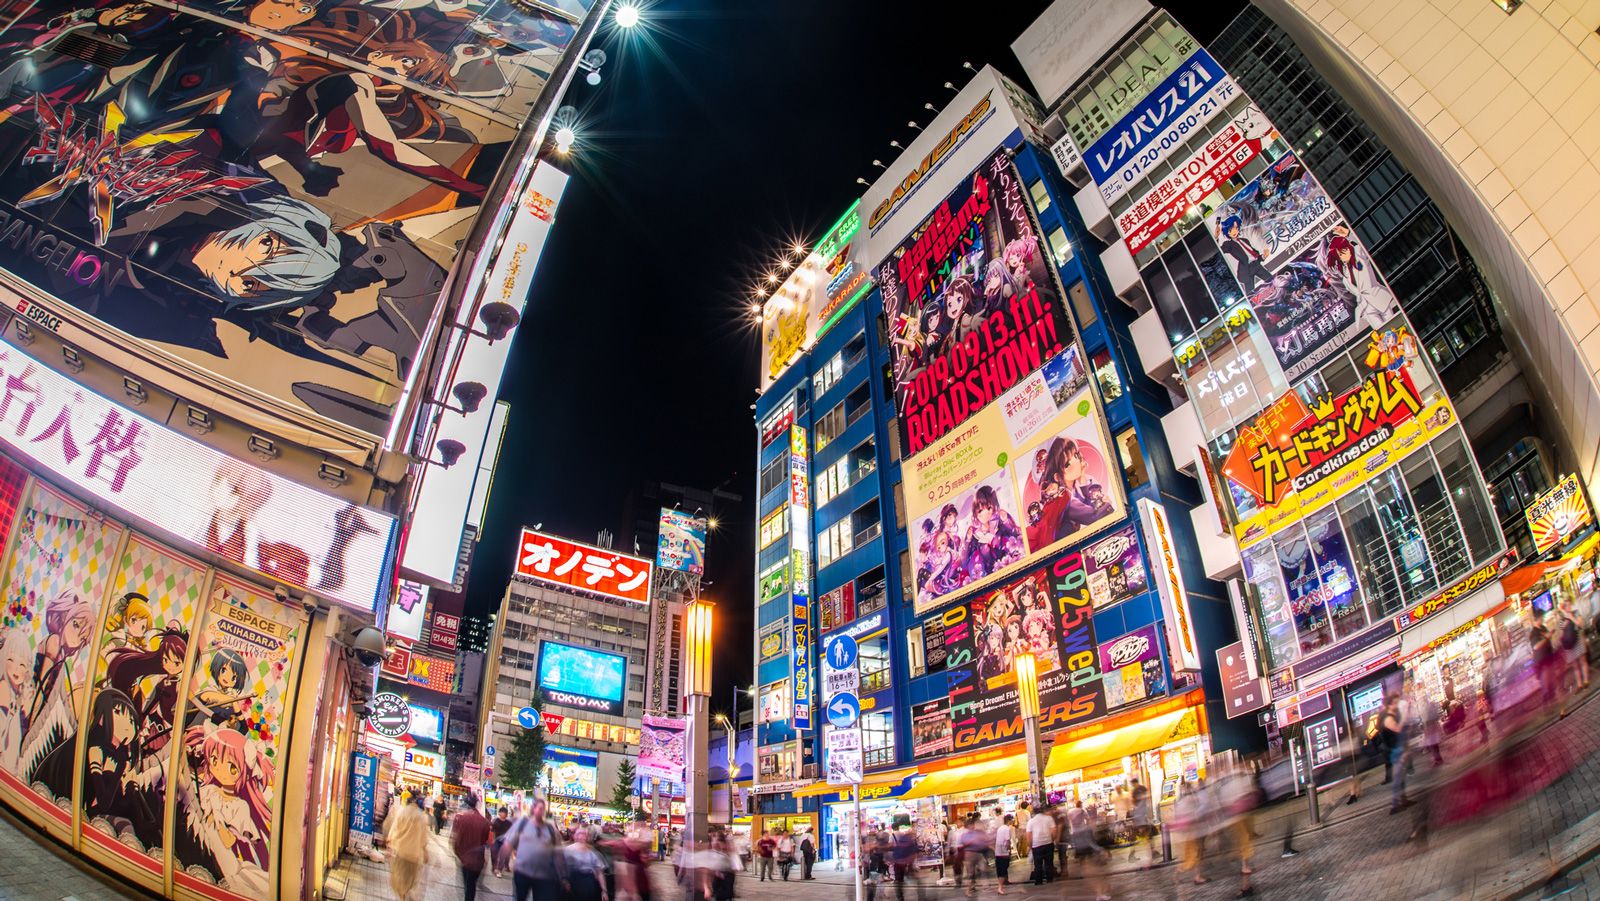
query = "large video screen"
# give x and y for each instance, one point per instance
(426, 723)
(582, 678)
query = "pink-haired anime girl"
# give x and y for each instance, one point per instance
(225, 804)
(1019, 253)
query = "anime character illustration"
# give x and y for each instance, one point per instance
(1391, 349)
(569, 780)
(1041, 639)
(238, 492)
(1069, 497)
(123, 785)
(964, 313)
(16, 657)
(992, 652)
(150, 676)
(51, 718)
(1243, 255)
(46, 55)
(993, 540)
(998, 285)
(128, 623)
(943, 568)
(225, 820)
(1019, 254)
(1352, 268)
(226, 703)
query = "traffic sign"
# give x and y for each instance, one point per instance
(844, 709)
(528, 717)
(489, 751)
(844, 756)
(840, 652)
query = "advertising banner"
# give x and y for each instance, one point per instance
(1208, 169)
(1116, 567)
(572, 774)
(1241, 693)
(775, 702)
(847, 274)
(1558, 514)
(1230, 370)
(837, 607)
(774, 640)
(789, 318)
(582, 678)
(1478, 578)
(1182, 645)
(1131, 667)
(479, 355)
(681, 544)
(662, 743)
(282, 251)
(1047, 611)
(1023, 477)
(286, 531)
(800, 625)
(363, 793)
(436, 673)
(1159, 124)
(445, 631)
(407, 611)
(972, 305)
(1271, 221)
(558, 561)
(931, 731)
(843, 756)
(934, 653)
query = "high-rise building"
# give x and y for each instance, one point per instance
(577, 656)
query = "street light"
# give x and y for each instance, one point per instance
(627, 15)
(1027, 669)
(696, 663)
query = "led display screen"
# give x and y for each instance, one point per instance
(578, 677)
(426, 723)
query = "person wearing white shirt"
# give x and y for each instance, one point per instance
(1004, 838)
(1042, 838)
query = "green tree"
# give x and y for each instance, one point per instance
(622, 793)
(523, 765)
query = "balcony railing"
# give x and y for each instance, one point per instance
(869, 533)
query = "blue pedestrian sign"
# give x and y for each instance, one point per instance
(528, 717)
(839, 652)
(844, 709)
(489, 751)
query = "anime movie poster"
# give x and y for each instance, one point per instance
(53, 589)
(230, 752)
(1332, 555)
(1322, 300)
(977, 533)
(1065, 483)
(971, 303)
(1271, 220)
(142, 651)
(1046, 611)
(1307, 596)
(276, 220)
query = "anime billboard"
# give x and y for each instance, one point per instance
(971, 305)
(276, 214)
(1271, 220)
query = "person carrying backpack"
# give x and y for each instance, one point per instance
(538, 865)
(808, 856)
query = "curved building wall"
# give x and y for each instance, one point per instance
(1499, 116)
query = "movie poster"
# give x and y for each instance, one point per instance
(273, 218)
(1271, 220)
(62, 561)
(971, 303)
(1116, 567)
(930, 729)
(230, 759)
(1046, 611)
(138, 676)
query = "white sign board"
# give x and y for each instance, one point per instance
(844, 756)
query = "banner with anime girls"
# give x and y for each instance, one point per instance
(1048, 612)
(141, 655)
(972, 305)
(271, 212)
(229, 761)
(61, 563)
(1024, 477)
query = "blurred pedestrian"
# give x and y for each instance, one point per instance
(1042, 841)
(1544, 658)
(1574, 650)
(903, 857)
(537, 864)
(585, 869)
(470, 837)
(1143, 827)
(1004, 840)
(407, 841)
(633, 874)
(808, 856)
(501, 824)
(438, 814)
(1191, 820)
(785, 854)
(1392, 727)
(1238, 798)
(975, 845)
(766, 850)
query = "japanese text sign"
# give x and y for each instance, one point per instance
(1182, 103)
(1558, 514)
(446, 631)
(286, 531)
(1169, 199)
(432, 672)
(546, 558)
(1478, 578)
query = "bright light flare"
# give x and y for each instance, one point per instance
(565, 137)
(627, 15)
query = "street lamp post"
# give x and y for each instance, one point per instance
(697, 694)
(1027, 670)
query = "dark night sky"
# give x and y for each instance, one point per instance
(731, 129)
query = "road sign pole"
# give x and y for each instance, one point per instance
(855, 793)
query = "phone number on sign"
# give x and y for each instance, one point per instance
(1172, 139)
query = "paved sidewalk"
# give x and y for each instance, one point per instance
(360, 879)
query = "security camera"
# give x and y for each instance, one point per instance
(361, 711)
(368, 646)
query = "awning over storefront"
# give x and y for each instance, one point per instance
(872, 780)
(1524, 577)
(996, 774)
(1482, 604)
(1164, 729)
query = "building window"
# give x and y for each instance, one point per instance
(899, 505)
(827, 375)
(877, 737)
(1060, 246)
(1133, 468)
(874, 664)
(834, 542)
(775, 526)
(846, 471)
(908, 588)
(1082, 306)
(1105, 372)
(914, 656)
(871, 592)
(1040, 195)
(830, 425)
(774, 474)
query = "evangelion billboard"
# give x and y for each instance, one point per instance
(1046, 612)
(971, 306)
(277, 219)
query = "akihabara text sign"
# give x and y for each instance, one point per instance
(285, 531)
(546, 558)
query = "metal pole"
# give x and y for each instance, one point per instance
(1030, 729)
(697, 791)
(855, 794)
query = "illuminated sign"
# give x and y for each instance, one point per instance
(1182, 646)
(800, 579)
(1170, 199)
(778, 424)
(934, 158)
(426, 723)
(1477, 579)
(582, 678)
(432, 672)
(407, 611)
(546, 558)
(571, 774)
(397, 662)
(428, 763)
(1159, 124)
(390, 715)
(1558, 514)
(445, 493)
(285, 531)
(848, 279)
(446, 631)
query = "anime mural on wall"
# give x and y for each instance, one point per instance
(144, 646)
(52, 591)
(279, 212)
(229, 758)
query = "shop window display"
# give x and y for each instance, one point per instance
(1306, 595)
(1398, 519)
(1375, 569)
(1447, 548)
(1466, 493)
(1277, 620)
(1342, 596)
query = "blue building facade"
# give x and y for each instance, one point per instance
(935, 738)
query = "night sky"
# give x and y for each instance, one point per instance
(721, 134)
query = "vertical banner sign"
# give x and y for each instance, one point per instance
(662, 747)
(363, 789)
(1242, 693)
(681, 544)
(1182, 646)
(800, 579)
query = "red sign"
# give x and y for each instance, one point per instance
(553, 721)
(397, 662)
(432, 672)
(446, 631)
(1278, 454)
(1165, 203)
(546, 558)
(1479, 577)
